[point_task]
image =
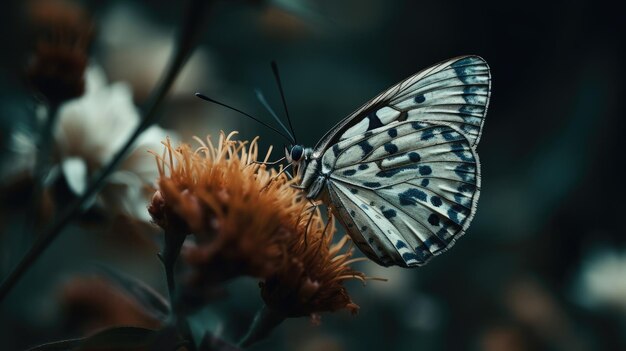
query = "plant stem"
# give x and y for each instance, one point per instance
(42, 165)
(172, 243)
(187, 41)
(264, 322)
(171, 284)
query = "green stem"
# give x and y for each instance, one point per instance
(42, 165)
(172, 243)
(264, 322)
(187, 41)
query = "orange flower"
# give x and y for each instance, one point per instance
(63, 32)
(312, 281)
(249, 220)
(241, 219)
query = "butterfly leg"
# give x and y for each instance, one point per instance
(275, 177)
(269, 163)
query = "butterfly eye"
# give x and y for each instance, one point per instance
(296, 153)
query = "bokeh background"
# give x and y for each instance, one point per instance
(543, 266)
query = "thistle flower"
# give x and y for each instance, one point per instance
(241, 214)
(312, 281)
(60, 56)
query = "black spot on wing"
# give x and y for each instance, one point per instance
(418, 125)
(463, 69)
(371, 184)
(464, 171)
(353, 190)
(363, 167)
(425, 170)
(448, 135)
(461, 152)
(409, 196)
(434, 243)
(374, 121)
(427, 134)
(409, 256)
(393, 132)
(336, 150)
(471, 94)
(433, 219)
(388, 173)
(436, 201)
(425, 182)
(464, 188)
(400, 244)
(420, 98)
(455, 212)
(365, 146)
(349, 172)
(403, 116)
(391, 148)
(414, 156)
(390, 213)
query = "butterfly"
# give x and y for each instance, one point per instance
(401, 173)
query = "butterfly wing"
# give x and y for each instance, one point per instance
(453, 92)
(405, 192)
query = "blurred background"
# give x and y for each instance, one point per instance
(543, 266)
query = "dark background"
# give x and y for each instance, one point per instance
(552, 163)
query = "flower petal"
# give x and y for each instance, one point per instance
(75, 172)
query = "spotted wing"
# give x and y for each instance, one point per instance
(404, 192)
(453, 92)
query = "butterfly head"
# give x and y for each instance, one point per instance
(298, 156)
(294, 153)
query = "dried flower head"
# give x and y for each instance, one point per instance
(241, 214)
(249, 220)
(63, 34)
(312, 281)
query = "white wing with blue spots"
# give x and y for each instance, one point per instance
(454, 92)
(402, 172)
(405, 191)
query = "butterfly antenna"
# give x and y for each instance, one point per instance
(282, 96)
(206, 98)
(259, 95)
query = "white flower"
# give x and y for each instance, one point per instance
(89, 132)
(602, 280)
